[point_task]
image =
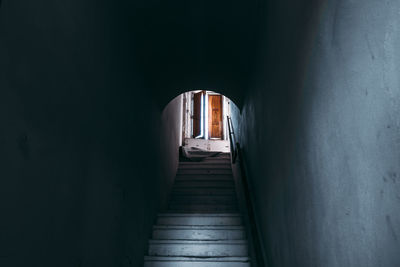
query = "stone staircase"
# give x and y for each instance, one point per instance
(202, 227)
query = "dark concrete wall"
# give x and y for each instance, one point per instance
(170, 141)
(320, 130)
(81, 89)
(80, 138)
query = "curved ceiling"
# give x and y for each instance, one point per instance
(186, 45)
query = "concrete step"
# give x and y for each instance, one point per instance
(223, 157)
(217, 160)
(204, 177)
(227, 248)
(154, 261)
(196, 184)
(203, 208)
(224, 199)
(203, 191)
(204, 165)
(220, 156)
(202, 219)
(225, 160)
(203, 196)
(204, 171)
(205, 202)
(198, 232)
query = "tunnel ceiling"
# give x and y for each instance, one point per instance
(115, 49)
(184, 45)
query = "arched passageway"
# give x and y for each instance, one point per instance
(201, 118)
(179, 129)
(203, 222)
(87, 156)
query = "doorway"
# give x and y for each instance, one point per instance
(204, 120)
(207, 115)
(215, 116)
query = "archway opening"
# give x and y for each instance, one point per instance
(203, 119)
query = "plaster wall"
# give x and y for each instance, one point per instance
(81, 151)
(320, 131)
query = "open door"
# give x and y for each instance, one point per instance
(215, 116)
(197, 112)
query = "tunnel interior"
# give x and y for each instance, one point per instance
(89, 146)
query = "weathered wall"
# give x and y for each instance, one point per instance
(321, 129)
(82, 81)
(80, 139)
(170, 141)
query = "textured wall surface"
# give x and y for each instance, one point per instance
(170, 141)
(321, 131)
(83, 149)
(81, 144)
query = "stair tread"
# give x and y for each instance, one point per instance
(204, 187)
(197, 204)
(195, 218)
(212, 184)
(204, 191)
(203, 208)
(176, 214)
(205, 199)
(205, 163)
(200, 248)
(205, 232)
(193, 177)
(225, 161)
(204, 171)
(199, 227)
(205, 259)
(202, 203)
(197, 242)
(205, 167)
(203, 226)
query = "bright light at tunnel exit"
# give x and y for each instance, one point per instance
(201, 117)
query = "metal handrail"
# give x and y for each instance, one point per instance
(236, 154)
(232, 140)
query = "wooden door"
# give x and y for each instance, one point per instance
(197, 114)
(215, 116)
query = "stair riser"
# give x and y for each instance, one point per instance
(208, 161)
(221, 161)
(204, 171)
(195, 264)
(203, 191)
(197, 184)
(224, 158)
(203, 208)
(199, 220)
(204, 166)
(204, 177)
(179, 200)
(199, 250)
(203, 204)
(198, 234)
(203, 201)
